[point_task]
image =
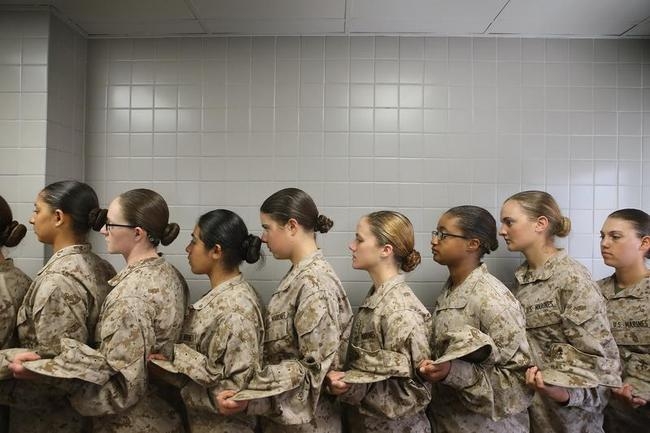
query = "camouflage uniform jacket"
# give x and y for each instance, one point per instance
(491, 396)
(563, 305)
(13, 287)
(221, 348)
(629, 315)
(308, 321)
(63, 301)
(143, 314)
(391, 324)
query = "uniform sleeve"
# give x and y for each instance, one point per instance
(496, 389)
(60, 311)
(232, 355)
(404, 332)
(127, 336)
(317, 327)
(586, 327)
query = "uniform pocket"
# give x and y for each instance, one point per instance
(278, 327)
(542, 314)
(632, 336)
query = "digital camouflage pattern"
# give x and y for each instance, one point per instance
(13, 287)
(563, 305)
(63, 301)
(220, 348)
(629, 315)
(487, 396)
(143, 314)
(390, 336)
(308, 321)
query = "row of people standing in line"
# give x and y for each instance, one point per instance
(222, 346)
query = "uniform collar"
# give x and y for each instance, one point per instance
(376, 294)
(6, 265)
(217, 291)
(150, 261)
(63, 252)
(525, 275)
(639, 290)
(299, 267)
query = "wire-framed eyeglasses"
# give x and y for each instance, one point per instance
(443, 235)
(109, 226)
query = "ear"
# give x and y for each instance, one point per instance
(292, 226)
(59, 217)
(541, 224)
(140, 233)
(386, 250)
(645, 243)
(216, 252)
(473, 245)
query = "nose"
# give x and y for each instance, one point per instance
(351, 246)
(103, 230)
(502, 230)
(434, 240)
(187, 248)
(263, 237)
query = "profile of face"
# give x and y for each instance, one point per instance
(44, 219)
(198, 255)
(517, 228)
(365, 248)
(119, 234)
(276, 236)
(620, 244)
(449, 244)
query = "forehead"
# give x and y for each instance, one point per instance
(267, 220)
(511, 207)
(447, 221)
(114, 209)
(363, 226)
(617, 224)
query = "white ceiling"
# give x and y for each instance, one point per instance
(569, 18)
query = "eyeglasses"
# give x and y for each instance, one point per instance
(442, 235)
(109, 226)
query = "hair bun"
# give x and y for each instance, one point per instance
(564, 227)
(13, 234)
(251, 248)
(170, 233)
(323, 224)
(97, 218)
(411, 261)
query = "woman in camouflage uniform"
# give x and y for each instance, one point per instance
(63, 301)
(13, 286)
(13, 282)
(308, 322)
(625, 245)
(142, 314)
(566, 319)
(223, 332)
(390, 335)
(487, 394)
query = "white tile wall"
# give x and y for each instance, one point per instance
(362, 123)
(23, 116)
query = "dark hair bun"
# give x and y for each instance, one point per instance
(13, 234)
(323, 224)
(170, 233)
(251, 248)
(97, 218)
(411, 261)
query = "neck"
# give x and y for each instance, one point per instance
(628, 276)
(536, 256)
(138, 253)
(218, 275)
(459, 272)
(67, 240)
(382, 273)
(303, 248)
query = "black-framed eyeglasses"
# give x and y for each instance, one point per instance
(442, 235)
(109, 226)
